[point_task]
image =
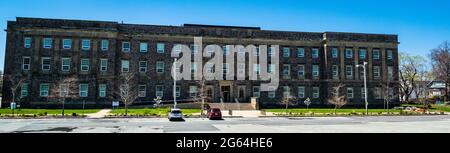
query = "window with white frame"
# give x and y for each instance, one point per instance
(46, 63)
(256, 91)
(315, 53)
(286, 70)
(27, 42)
(271, 51)
(105, 45)
(315, 70)
(159, 91)
(390, 72)
(24, 90)
(363, 93)
(335, 71)
(362, 53)
(125, 66)
(142, 90)
(316, 92)
(286, 52)
(271, 68)
(256, 68)
(348, 53)
(84, 65)
(300, 52)
(102, 90)
(226, 68)
(67, 43)
(160, 47)
(142, 66)
(376, 71)
(334, 53)
(193, 68)
(350, 93)
(389, 54)
(47, 44)
(301, 92)
(256, 51)
(143, 47)
(177, 48)
(193, 91)
(226, 50)
(85, 44)
(43, 89)
(126, 46)
(159, 67)
(84, 90)
(177, 91)
(286, 91)
(301, 71)
(272, 92)
(65, 64)
(376, 54)
(64, 90)
(349, 71)
(103, 65)
(26, 61)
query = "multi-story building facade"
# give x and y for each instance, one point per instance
(41, 52)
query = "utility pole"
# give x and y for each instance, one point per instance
(365, 86)
(174, 84)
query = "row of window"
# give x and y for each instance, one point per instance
(160, 48)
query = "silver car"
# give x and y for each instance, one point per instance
(175, 114)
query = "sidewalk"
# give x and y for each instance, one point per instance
(100, 114)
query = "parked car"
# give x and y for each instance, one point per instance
(214, 113)
(175, 115)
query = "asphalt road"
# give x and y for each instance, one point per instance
(397, 124)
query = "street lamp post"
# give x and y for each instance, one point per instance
(365, 86)
(174, 84)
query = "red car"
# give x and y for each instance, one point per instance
(214, 113)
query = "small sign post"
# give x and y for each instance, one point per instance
(115, 104)
(307, 102)
(13, 107)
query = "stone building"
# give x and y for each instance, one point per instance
(41, 52)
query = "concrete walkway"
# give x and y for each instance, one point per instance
(100, 114)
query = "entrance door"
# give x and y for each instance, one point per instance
(225, 93)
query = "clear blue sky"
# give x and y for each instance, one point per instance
(421, 25)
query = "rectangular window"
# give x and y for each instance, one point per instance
(363, 93)
(271, 68)
(300, 52)
(125, 66)
(193, 68)
(286, 52)
(67, 43)
(64, 90)
(226, 68)
(102, 90)
(272, 92)
(316, 92)
(256, 68)
(376, 54)
(159, 91)
(286, 91)
(177, 48)
(390, 72)
(377, 93)
(315, 70)
(27, 42)
(335, 71)
(47, 43)
(349, 71)
(256, 91)
(256, 51)
(142, 90)
(391, 93)
(43, 89)
(85, 44)
(350, 93)
(84, 90)
(177, 91)
(286, 70)
(271, 52)
(362, 53)
(315, 53)
(103, 65)
(301, 71)
(46, 63)
(159, 67)
(193, 91)
(105, 45)
(126, 46)
(226, 50)
(376, 72)
(301, 92)
(160, 47)
(143, 47)
(84, 65)
(334, 53)
(389, 54)
(24, 90)
(65, 64)
(142, 66)
(26, 63)
(348, 53)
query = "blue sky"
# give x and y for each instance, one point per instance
(421, 25)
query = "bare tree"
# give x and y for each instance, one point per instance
(288, 100)
(410, 66)
(15, 81)
(335, 99)
(127, 89)
(65, 88)
(440, 60)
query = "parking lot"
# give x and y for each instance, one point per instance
(380, 124)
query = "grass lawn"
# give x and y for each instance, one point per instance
(49, 111)
(328, 110)
(151, 111)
